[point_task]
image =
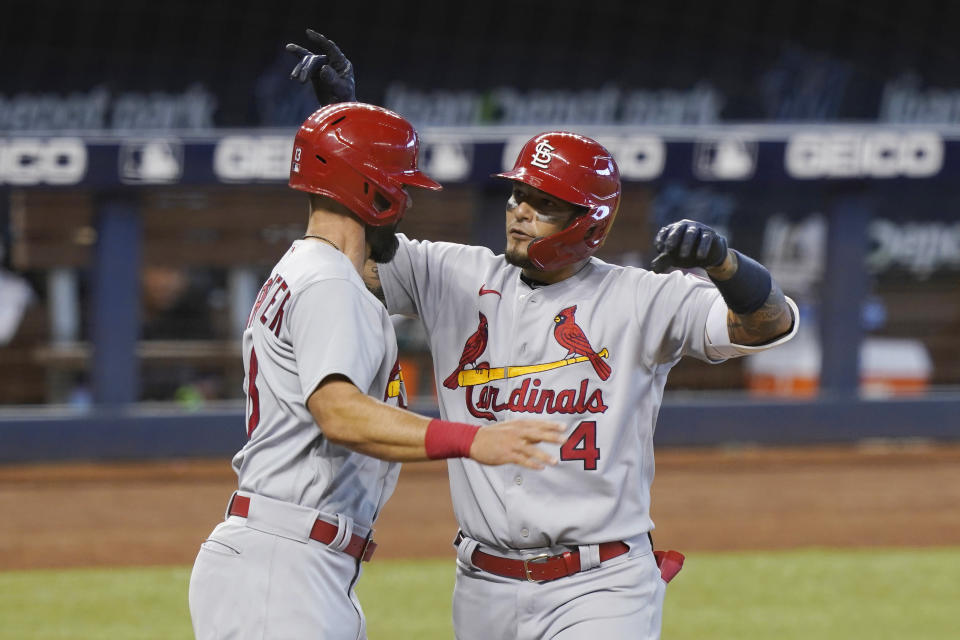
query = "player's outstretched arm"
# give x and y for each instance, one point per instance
(353, 419)
(759, 312)
(329, 71)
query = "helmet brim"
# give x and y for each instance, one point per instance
(515, 174)
(418, 179)
(548, 183)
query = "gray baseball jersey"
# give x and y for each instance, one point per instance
(312, 318)
(592, 351)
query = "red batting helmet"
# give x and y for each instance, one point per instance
(361, 156)
(577, 170)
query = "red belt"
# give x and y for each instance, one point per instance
(544, 566)
(322, 531)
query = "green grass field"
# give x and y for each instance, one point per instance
(822, 594)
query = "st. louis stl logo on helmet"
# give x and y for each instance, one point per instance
(543, 154)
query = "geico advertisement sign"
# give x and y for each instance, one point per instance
(54, 161)
(638, 157)
(886, 154)
(252, 158)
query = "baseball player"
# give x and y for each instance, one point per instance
(324, 396)
(567, 553)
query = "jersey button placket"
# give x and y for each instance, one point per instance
(514, 496)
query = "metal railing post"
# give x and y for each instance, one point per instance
(844, 289)
(116, 302)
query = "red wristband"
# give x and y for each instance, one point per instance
(449, 439)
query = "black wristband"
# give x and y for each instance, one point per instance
(749, 287)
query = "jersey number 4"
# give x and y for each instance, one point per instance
(582, 445)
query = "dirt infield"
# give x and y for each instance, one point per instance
(158, 513)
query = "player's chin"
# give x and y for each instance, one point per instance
(517, 256)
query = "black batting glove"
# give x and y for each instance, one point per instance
(688, 244)
(329, 71)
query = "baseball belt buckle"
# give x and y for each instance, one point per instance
(537, 559)
(369, 546)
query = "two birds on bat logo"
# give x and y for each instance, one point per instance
(566, 332)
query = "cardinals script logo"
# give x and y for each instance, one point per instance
(529, 397)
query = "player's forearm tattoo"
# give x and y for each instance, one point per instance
(767, 323)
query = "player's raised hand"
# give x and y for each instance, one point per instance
(329, 70)
(688, 243)
(515, 441)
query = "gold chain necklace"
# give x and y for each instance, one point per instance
(329, 242)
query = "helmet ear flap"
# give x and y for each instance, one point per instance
(591, 236)
(380, 202)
